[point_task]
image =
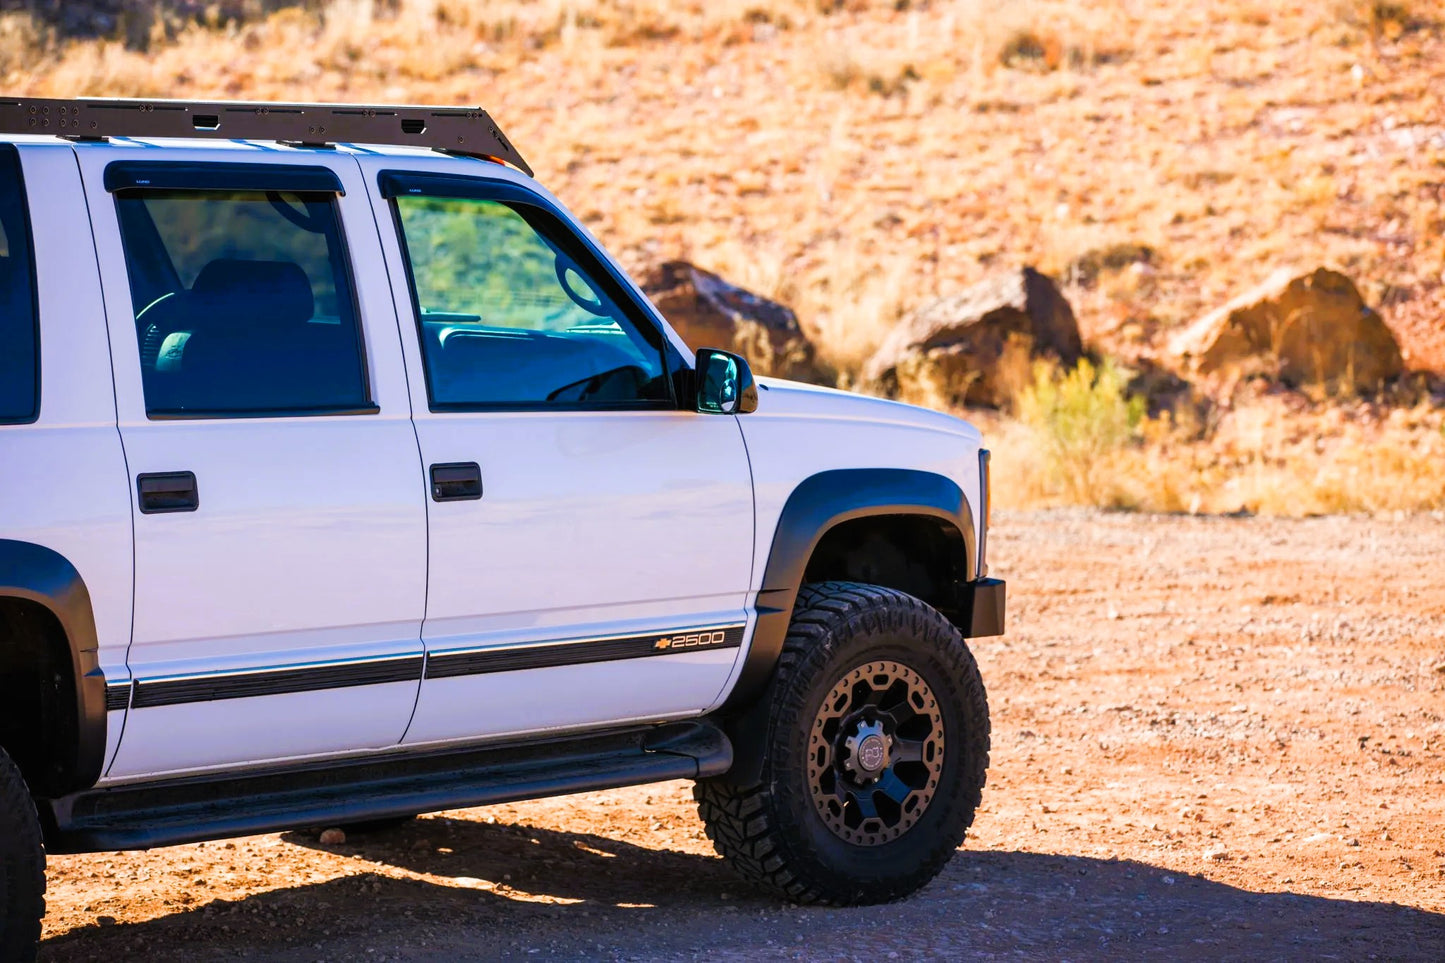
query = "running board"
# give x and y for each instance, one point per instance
(399, 784)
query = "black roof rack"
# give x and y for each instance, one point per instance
(455, 130)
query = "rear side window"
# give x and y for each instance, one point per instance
(19, 355)
(243, 303)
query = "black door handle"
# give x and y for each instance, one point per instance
(457, 481)
(167, 491)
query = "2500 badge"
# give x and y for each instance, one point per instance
(693, 640)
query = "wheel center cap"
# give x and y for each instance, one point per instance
(866, 751)
(872, 754)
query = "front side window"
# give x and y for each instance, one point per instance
(19, 361)
(243, 303)
(513, 312)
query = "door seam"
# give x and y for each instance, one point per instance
(420, 456)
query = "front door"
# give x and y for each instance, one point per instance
(280, 551)
(591, 539)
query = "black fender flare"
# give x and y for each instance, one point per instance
(41, 575)
(818, 504)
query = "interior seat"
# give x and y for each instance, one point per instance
(248, 324)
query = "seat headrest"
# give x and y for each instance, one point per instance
(258, 294)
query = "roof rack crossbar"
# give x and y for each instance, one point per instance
(455, 130)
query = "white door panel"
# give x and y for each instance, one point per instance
(588, 511)
(594, 526)
(309, 526)
(282, 617)
(266, 576)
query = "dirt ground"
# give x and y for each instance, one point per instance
(1213, 738)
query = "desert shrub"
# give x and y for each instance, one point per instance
(1081, 421)
(1027, 47)
(1387, 19)
(1086, 269)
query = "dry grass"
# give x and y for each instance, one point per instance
(1079, 441)
(856, 159)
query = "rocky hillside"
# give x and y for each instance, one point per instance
(855, 159)
(1187, 175)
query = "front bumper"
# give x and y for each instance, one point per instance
(978, 608)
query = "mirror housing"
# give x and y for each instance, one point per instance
(725, 384)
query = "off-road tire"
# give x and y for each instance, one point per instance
(22, 868)
(772, 832)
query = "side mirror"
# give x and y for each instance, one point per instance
(724, 384)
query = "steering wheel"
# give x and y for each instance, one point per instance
(147, 309)
(311, 224)
(592, 386)
(566, 271)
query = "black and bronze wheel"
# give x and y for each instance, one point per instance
(875, 753)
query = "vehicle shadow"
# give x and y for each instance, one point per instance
(453, 889)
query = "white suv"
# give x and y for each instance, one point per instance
(343, 483)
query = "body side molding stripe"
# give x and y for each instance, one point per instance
(446, 665)
(117, 696)
(214, 687)
(151, 693)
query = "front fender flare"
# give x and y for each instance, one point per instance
(818, 504)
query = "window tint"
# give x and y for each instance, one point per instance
(242, 302)
(19, 361)
(514, 313)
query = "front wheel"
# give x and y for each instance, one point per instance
(22, 867)
(875, 753)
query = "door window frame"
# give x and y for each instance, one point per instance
(128, 179)
(394, 184)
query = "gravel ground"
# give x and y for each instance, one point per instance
(1213, 738)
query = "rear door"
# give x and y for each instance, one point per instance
(590, 538)
(280, 542)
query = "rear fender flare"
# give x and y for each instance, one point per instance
(41, 575)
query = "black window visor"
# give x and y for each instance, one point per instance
(179, 176)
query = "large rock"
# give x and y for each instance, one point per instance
(711, 313)
(1310, 328)
(955, 345)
